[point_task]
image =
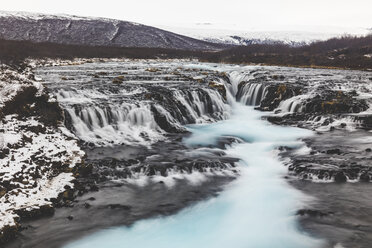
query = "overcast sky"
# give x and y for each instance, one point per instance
(260, 14)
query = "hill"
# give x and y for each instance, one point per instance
(74, 30)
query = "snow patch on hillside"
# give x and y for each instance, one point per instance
(231, 34)
(40, 16)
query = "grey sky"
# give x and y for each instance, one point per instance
(244, 13)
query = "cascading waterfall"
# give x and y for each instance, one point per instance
(126, 123)
(292, 105)
(257, 210)
(252, 94)
(202, 107)
(102, 123)
(235, 78)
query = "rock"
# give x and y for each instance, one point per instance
(152, 69)
(119, 206)
(365, 177)
(94, 188)
(8, 233)
(219, 86)
(275, 93)
(331, 102)
(311, 213)
(334, 151)
(2, 192)
(118, 80)
(340, 177)
(368, 150)
(70, 217)
(43, 211)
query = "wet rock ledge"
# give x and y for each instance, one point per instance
(335, 105)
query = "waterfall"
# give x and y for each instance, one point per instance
(236, 77)
(252, 94)
(202, 106)
(127, 124)
(130, 118)
(125, 120)
(292, 105)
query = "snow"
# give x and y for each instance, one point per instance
(19, 167)
(41, 16)
(239, 35)
(35, 160)
(11, 82)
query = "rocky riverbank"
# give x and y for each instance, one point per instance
(38, 163)
(334, 104)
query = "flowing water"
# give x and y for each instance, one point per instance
(256, 210)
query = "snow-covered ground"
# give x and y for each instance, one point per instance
(29, 166)
(233, 34)
(12, 82)
(36, 161)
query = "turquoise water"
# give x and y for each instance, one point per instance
(257, 210)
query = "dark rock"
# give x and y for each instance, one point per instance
(365, 177)
(119, 206)
(334, 151)
(311, 213)
(94, 188)
(43, 211)
(340, 177)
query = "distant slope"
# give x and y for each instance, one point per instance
(346, 52)
(93, 32)
(236, 35)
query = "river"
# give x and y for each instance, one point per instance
(256, 210)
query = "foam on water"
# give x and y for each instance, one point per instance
(257, 210)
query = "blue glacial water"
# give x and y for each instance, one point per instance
(255, 211)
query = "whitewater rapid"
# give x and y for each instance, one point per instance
(257, 210)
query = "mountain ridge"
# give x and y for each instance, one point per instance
(93, 31)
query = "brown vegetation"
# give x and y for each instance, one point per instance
(345, 52)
